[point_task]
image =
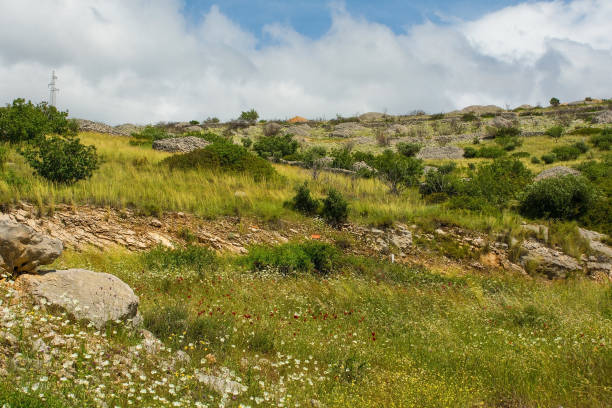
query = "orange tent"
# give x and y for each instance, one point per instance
(298, 119)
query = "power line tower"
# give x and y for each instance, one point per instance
(52, 89)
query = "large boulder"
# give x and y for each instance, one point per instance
(180, 144)
(302, 130)
(96, 297)
(545, 260)
(557, 171)
(347, 129)
(440, 152)
(22, 249)
(271, 128)
(371, 116)
(603, 117)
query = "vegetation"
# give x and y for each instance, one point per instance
(554, 102)
(276, 147)
(250, 115)
(224, 157)
(335, 208)
(408, 149)
(303, 202)
(398, 171)
(603, 141)
(568, 197)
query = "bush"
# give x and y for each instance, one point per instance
(549, 158)
(276, 146)
(535, 160)
(470, 152)
(468, 117)
(520, 155)
(566, 153)
(555, 132)
(150, 134)
(398, 171)
(250, 115)
(487, 181)
(246, 142)
(437, 116)
(585, 131)
(490, 152)
(313, 154)
(290, 259)
(439, 181)
(194, 122)
(303, 202)
(335, 208)
(61, 159)
(3, 156)
(23, 121)
(509, 143)
(581, 146)
(567, 197)
(603, 141)
(554, 102)
(224, 157)
(343, 159)
(408, 149)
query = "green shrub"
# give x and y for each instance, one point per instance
(566, 153)
(535, 160)
(224, 157)
(555, 132)
(408, 149)
(276, 146)
(487, 182)
(192, 258)
(469, 152)
(549, 158)
(437, 116)
(468, 117)
(567, 197)
(61, 159)
(343, 159)
(604, 140)
(250, 115)
(585, 131)
(246, 142)
(488, 115)
(581, 146)
(4, 151)
(398, 171)
(303, 202)
(490, 152)
(21, 121)
(313, 154)
(150, 134)
(520, 155)
(554, 102)
(335, 208)
(440, 181)
(194, 122)
(291, 259)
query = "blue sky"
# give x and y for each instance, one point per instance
(312, 18)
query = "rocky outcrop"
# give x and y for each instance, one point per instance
(302, 130)
(480, 109)
(98, 127)
(96, 297)
(550, 262)
(23, 250)
(180, 144)
(347, 129)
(271, 128)
(441, 152)
(371, 116)
(557, 171)
(604, 117)
(362, 166)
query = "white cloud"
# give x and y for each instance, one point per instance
(139, 61)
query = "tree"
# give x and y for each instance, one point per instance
(555, 132)
(250, 115)
(61, 159)
(554, 102)
(398, 171)
(335, 208)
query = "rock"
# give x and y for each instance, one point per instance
(548, 261)
(402, 241)
(302, 130)
(596, 267)
(595, 243)
(480, 109)
(8, 338)
(442, 152)
(371, 116)
(182, 357)
(86, 295)
(603, 117)
(271, 128)
(501, 123)
(127, 129)
(193, 128)
(160, 240)
(526, 107)
(98, 127)
(362, 166)
(347, 129)
(556, 171)
(155, 223)
(222, 385)
(23, 250)
(39, 346)
(180, 144)
(323, 162)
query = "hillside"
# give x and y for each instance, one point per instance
(458, 277)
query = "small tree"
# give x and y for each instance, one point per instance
(61, 159)
(398, 171)
(555, 132)
(408, 149)
(335, 208)
(554, 102)
(250, 115)
(303, 202)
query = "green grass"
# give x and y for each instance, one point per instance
(380, 334)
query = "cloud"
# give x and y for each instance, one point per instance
(140, 61)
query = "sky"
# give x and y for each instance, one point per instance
(145, 61)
